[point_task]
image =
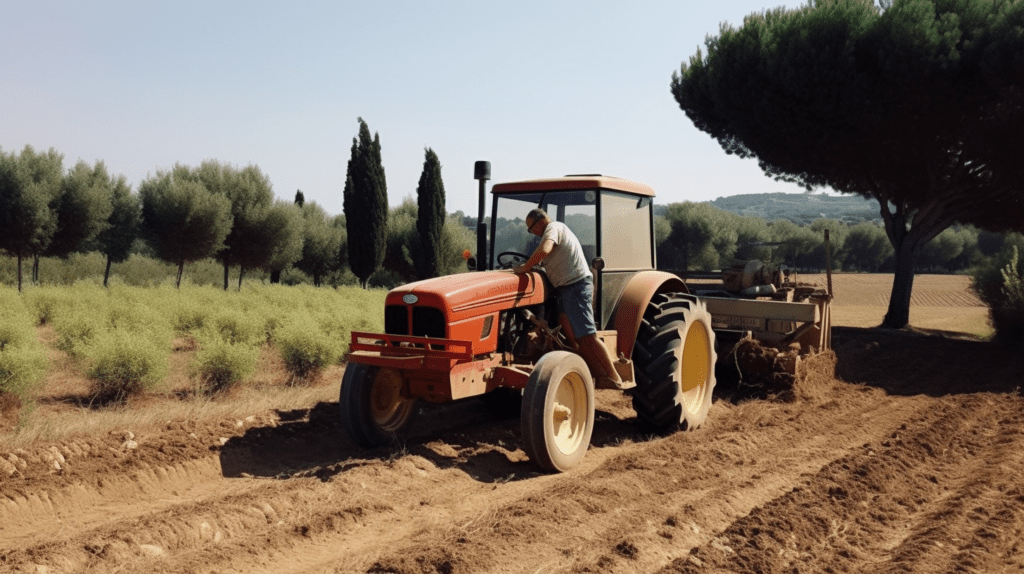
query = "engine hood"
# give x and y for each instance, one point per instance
(474, 293)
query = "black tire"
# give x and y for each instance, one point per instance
(674, 358)
(373, 410)
(558, 411)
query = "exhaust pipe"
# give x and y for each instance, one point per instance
(482, 173)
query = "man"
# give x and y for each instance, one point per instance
(569, 273)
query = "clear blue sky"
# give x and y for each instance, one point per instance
(537, 88)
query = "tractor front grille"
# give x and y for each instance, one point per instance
(428, 322)
(396, 320)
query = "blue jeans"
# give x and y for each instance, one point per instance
(576, 300)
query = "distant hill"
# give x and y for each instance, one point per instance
(800, 208)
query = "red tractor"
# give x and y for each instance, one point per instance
(494, 332)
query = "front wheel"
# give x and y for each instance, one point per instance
(675, 359)
(558, 411)
(373, 409)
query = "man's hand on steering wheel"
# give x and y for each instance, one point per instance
(511, 260)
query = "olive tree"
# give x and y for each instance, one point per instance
(181, 219)
(122, 226)
(81, 208)
(321, 245)
(29, 182)
(284, 234)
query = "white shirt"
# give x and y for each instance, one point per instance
(565, 264)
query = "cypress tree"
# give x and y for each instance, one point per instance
(430, 216)
(366, 205)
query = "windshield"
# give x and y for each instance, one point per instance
(576, 208)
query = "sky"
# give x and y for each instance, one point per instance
(539, 89)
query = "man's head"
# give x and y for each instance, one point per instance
(536, 221)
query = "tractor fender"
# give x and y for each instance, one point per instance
(629, 309)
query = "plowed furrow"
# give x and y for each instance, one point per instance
(901, 503)
(640, 506)
(634, 505)
(977, 521)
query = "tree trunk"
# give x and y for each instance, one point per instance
(226, 275)
(241, 272)
(316, 280)
(35, 270)
(19, 273)
(898, 315)
(106, 274)
(275, 277)
(181, 268)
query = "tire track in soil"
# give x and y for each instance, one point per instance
(939, 494)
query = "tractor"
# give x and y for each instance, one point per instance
(494, 334)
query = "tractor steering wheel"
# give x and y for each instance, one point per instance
(509, 259)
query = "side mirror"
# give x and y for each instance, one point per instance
(597, 264)
(471, 263)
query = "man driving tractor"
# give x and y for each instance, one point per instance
(567, 269)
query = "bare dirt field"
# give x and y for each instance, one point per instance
(902, 452)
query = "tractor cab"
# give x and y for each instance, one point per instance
(612, 218)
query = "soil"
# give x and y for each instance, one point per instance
(900, 451)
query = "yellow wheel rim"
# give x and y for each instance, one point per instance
(568, 416)
(696, 366)
(387, 405)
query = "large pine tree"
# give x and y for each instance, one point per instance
(366, 205)
(430, 217)
(918, 105)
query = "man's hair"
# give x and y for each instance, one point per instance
(536, 214)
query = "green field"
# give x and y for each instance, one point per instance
(122, 338)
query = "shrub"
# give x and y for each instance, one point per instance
(21, 369)
(189, 317)
(306, 349)
(45, 303)
(1001, 286)
(124, 365)
(77, 331)
(221, 365)
(235, 326)
(14, 334)
(22, 358)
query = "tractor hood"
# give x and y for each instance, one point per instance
(472, 294)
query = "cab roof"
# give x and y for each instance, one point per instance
(574, 182)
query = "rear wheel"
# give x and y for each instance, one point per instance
(675, 363)
(373, 409)
(558, 411)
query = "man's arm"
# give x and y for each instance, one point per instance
(543, 250)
